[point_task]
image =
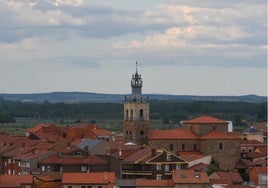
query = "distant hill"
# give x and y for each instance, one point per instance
(86, 97)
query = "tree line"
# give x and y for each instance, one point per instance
(241, 113)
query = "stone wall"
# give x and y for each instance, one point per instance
(202, 129)
(225, 152)
(177, 145)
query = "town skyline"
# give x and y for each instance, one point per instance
(182, 47)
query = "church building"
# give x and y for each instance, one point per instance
(205, 134)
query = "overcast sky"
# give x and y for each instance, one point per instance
(183, 47)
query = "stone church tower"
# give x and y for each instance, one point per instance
(136, 113)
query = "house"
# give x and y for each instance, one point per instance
(73, 160)
(97, 147)
(190, 179)
(261, 127)
(234, 177)
(258, 176)
(146, 162)
(253, 134)
(88, 180)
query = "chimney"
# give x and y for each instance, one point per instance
(105, 176)
(120, 152)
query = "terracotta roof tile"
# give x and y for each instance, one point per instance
(215, 135)
(262, 126)
(154, 183)
(171, 134)
(260, 169)
(198, 167)
(234, 176)
(101, 132)
(205, 120)
(189, 176)
(138, 154)
(89, 178)
(14, 180)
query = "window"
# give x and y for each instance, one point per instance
(166, 168)
(178, 167)
(9, 161)
(78, 153)
(158, 167)
(142, 135)
(131, 115)
(171, 147)
(69, 186)
(83, 186)
(83, 168)
(89, 186)
(141, 113)
(168, 157)
(183, 147)
(195, 147)
(126, 114)
(99, 186)
(221, 146)
(158, 176)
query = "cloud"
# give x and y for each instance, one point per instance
(204, 35)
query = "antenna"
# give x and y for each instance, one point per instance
(136, 66)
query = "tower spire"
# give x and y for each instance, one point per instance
(136, 67)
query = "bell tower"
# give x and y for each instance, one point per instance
(136, 113)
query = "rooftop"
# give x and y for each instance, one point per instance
(171, 134)
(205, 120)
(90, 178)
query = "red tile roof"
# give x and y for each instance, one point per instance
(101, 132)
(262, 126)
(178, 134)
(89, 178)
(198, 167)
(138, 154)
(234, 176)
(260, 169)
(189, 176)
(205, 120)
(14, 180)
(154, 183)
(215, 135)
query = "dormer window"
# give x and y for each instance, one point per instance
(168, 157)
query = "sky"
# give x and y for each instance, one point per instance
(183, 47)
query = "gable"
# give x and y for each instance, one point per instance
(166, 157)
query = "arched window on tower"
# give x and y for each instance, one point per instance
(141, 114)
(142, 136)
(130, 135)
(131, 115)
(126, 136)
(127, 115)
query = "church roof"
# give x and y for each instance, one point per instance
(171, 134)
(205, 120)
(215, 135)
